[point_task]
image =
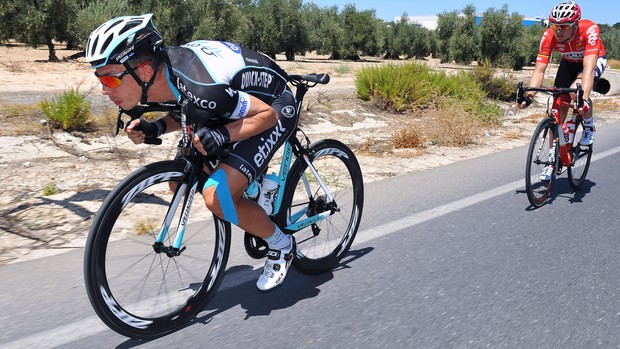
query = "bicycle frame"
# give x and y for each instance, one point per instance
(553, 111)
(294, 146)
(563, 137)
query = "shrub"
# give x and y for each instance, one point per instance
(495, 87)
(342, 69)
(416, 86)
(453, 128)
(407, 137)
(50, 189)
(70, 110)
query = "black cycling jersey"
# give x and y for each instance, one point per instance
(217, 78)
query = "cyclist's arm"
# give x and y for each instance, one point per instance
(587, 79)
(261, 117)
(535, 80)
(537, 77)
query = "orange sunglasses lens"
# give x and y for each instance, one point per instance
(115, 80)
(561, 26)
(110, 81)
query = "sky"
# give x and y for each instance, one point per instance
(599, 11)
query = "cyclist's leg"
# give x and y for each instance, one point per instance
(223, 191)
(566, 77)
(248, 159)
(223, 195)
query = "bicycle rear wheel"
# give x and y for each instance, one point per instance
(581, 157)
(323, 243)
(538, 158)
(141, 289)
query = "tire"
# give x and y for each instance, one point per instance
(538, 191)
(324, 243)
(135, 290)
(580, 163)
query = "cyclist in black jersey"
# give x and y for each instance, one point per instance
(243, 92)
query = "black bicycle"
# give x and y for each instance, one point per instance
(147, 277)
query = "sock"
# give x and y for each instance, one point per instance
(278, 240)
(588, 122)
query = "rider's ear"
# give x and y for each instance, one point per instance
(145, 72)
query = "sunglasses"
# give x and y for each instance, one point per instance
(115, 80)
(562, 26)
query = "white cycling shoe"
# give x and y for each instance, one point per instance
(276, 267)
(545, 175)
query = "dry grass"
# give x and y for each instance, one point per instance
(613, 63)
(374, 147)
(606, 105)
(13, 67)
(143, 226)
(513, 134)
(22, 120)
(452, 127)
(534, 118)
(408, 137)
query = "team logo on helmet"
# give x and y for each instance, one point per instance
(232, 47)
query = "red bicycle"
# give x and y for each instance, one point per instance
(554, 148)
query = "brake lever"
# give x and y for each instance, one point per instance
(579, 96)
(520, 92)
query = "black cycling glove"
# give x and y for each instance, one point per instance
(213, 140)
(152, 129)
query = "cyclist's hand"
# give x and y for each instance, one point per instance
(527, 100)
(587, 106)
(137, 137)
(211, 141)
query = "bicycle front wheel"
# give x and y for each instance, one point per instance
(542, 153)
(141, 288)
(581, 157)
(323, 208)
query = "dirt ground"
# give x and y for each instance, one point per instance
(82, 168)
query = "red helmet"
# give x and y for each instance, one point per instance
(565, 12)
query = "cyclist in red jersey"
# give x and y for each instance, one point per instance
(583, 61)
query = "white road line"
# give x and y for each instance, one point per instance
(92, 325)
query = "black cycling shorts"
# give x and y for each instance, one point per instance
(568, 72)
(251, 156)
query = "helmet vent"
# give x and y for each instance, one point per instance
(112, 26)
(129, 25)
(106, 44)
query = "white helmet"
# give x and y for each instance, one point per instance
(565, 12)
(119, 39)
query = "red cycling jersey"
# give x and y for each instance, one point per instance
(586, 42)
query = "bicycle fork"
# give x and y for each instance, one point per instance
(182, 190)
(175, 250)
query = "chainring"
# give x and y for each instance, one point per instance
(256, 247)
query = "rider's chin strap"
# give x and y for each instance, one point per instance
(145, 85)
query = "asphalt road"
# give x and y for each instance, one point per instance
(452, 257)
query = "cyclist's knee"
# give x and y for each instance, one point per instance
(210, 196)
(218, 198)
